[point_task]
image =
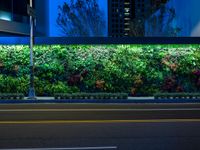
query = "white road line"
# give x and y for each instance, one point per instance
(87, 110)
(73, 148)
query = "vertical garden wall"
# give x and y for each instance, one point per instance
(140, 70)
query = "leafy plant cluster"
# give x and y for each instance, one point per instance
(140, 70)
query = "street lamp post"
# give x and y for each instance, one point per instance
(31, 94)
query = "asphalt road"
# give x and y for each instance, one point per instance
(101, 126)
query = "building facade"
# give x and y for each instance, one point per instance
(14, 19)
(120, 12)
(127, 17)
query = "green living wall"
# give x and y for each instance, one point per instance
(140, 70)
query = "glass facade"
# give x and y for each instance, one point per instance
(14, 10)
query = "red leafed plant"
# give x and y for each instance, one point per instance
(100, 84)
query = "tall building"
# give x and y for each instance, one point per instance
(14, 19)
(120, 12)
(127, 17)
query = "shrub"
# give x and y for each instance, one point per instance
(135, 69)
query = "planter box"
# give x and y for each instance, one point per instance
(99, 96)
(177, 96)
(11, 96)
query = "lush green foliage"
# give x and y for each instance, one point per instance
(135, 69)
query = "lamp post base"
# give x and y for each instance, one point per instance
(31, 94)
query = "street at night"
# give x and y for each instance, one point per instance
(104, 126)
(99, 75)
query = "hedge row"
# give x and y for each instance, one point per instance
(139, 70)
(11, 96)
(177, 96)
(92, 96)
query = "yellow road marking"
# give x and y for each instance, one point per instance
(99, 121)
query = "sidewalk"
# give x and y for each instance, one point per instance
(136, 100)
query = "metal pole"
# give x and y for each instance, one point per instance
(12, 13)
(31, 94)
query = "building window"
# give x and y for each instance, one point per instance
(14, 10)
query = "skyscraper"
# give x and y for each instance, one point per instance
(120, 13)
(127, 17)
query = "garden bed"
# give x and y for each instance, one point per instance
(139, 70)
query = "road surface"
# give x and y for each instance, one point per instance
(100, 126)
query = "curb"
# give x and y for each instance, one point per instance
(102, 101)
